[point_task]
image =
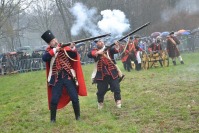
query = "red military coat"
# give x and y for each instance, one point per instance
(130, 48)
(81, 89)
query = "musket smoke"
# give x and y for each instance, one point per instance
(114, 22)
(84, 19)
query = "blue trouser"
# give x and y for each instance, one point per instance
(70, 88)
(102, 86)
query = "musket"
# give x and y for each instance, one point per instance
(129, 34)
(86, 39)
(125, 46)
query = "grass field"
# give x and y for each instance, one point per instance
(154, 100)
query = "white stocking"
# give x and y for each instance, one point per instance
(180, 58)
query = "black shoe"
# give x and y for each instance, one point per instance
(77, 118)
(138, 67)
(182, 62)
(52, 121)
(174, 63)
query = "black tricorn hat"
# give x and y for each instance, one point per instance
(98, 39)
(131, 37)
(48, 36)
(171, 33)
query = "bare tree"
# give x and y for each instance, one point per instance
(41, 16)
(63, 8)
(56, 15)
(9, 26)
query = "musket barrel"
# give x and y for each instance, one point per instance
(136, 30)
(86, 39)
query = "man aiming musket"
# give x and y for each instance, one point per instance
(106, 72)
(65, 80)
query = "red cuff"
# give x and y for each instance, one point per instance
(51, 52)
(93, 53)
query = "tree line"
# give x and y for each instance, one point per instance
(26, 20)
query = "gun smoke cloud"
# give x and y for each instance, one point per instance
(112, 21)
(188, 6)
(84, 19)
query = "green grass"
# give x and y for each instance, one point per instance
(154, 100)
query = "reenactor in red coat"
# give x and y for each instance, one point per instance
(137, 52)
(128, 54)
(156, 46)
(106, 73)
(123, 46)
(65, 80)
